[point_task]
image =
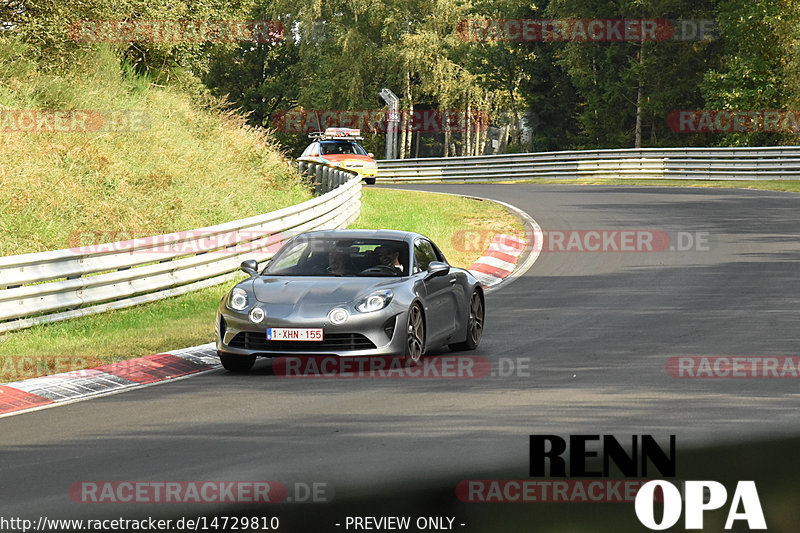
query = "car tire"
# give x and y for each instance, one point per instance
(415, 334)
(475, 318)
(369, 181)
(236, 363)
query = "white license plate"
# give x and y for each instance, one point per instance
(294, 334)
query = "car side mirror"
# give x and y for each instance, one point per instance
(437, 268)
(371, 155)
(250, 267)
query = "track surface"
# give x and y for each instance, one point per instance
(595, 328)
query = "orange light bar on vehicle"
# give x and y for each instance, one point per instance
(342, 132)
(352, 134)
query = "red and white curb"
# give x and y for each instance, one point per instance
(498, 261)
(67, 387)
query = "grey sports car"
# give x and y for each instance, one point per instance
(350, 293)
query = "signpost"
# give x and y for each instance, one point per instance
(392, 119)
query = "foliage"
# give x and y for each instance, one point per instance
(337, 55)
(761, 64)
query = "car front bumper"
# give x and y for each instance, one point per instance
(365, 172)
(364, 334)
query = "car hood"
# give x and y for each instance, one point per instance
(338, 158)
(315, 291)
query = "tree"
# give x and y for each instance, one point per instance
(628, 87)
(760, 67)
(261, 79)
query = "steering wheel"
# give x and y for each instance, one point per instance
(377, 269)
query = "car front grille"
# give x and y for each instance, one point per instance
(336, 342)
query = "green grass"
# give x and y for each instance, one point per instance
(188, 320)
(190, 166)
(172, 323)
(767, 185)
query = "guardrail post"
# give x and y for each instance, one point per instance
(318, 189)
(328, 179)
(323, 181)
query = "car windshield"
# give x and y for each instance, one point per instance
(341, 147)
(341, 257)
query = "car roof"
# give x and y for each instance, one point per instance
(389, 234)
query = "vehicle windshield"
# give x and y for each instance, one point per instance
(341, 257)
(341, 147)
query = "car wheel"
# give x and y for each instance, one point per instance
(415, 343)
(237, 363)
(474, 324)
(369, 181)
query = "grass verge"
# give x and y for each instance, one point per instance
(188, 320)
(151, 160)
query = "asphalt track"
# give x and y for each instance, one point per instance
(593, 332)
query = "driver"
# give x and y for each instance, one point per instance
(389, 256)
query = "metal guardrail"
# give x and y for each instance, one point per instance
(764, 163)
(56, 285)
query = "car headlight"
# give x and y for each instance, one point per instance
(257, 315)
(370, 164)
(238, 299)
(375, 301)
(338, 315)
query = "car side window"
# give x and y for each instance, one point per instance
(290, 258)
(439, 255)
(423, 255)
(311, 150)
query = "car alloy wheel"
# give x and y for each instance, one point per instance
(415, 344)
(475, 327)
(474, 324)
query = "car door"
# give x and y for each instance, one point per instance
(440, 303)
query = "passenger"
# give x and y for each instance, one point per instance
(338, 263)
